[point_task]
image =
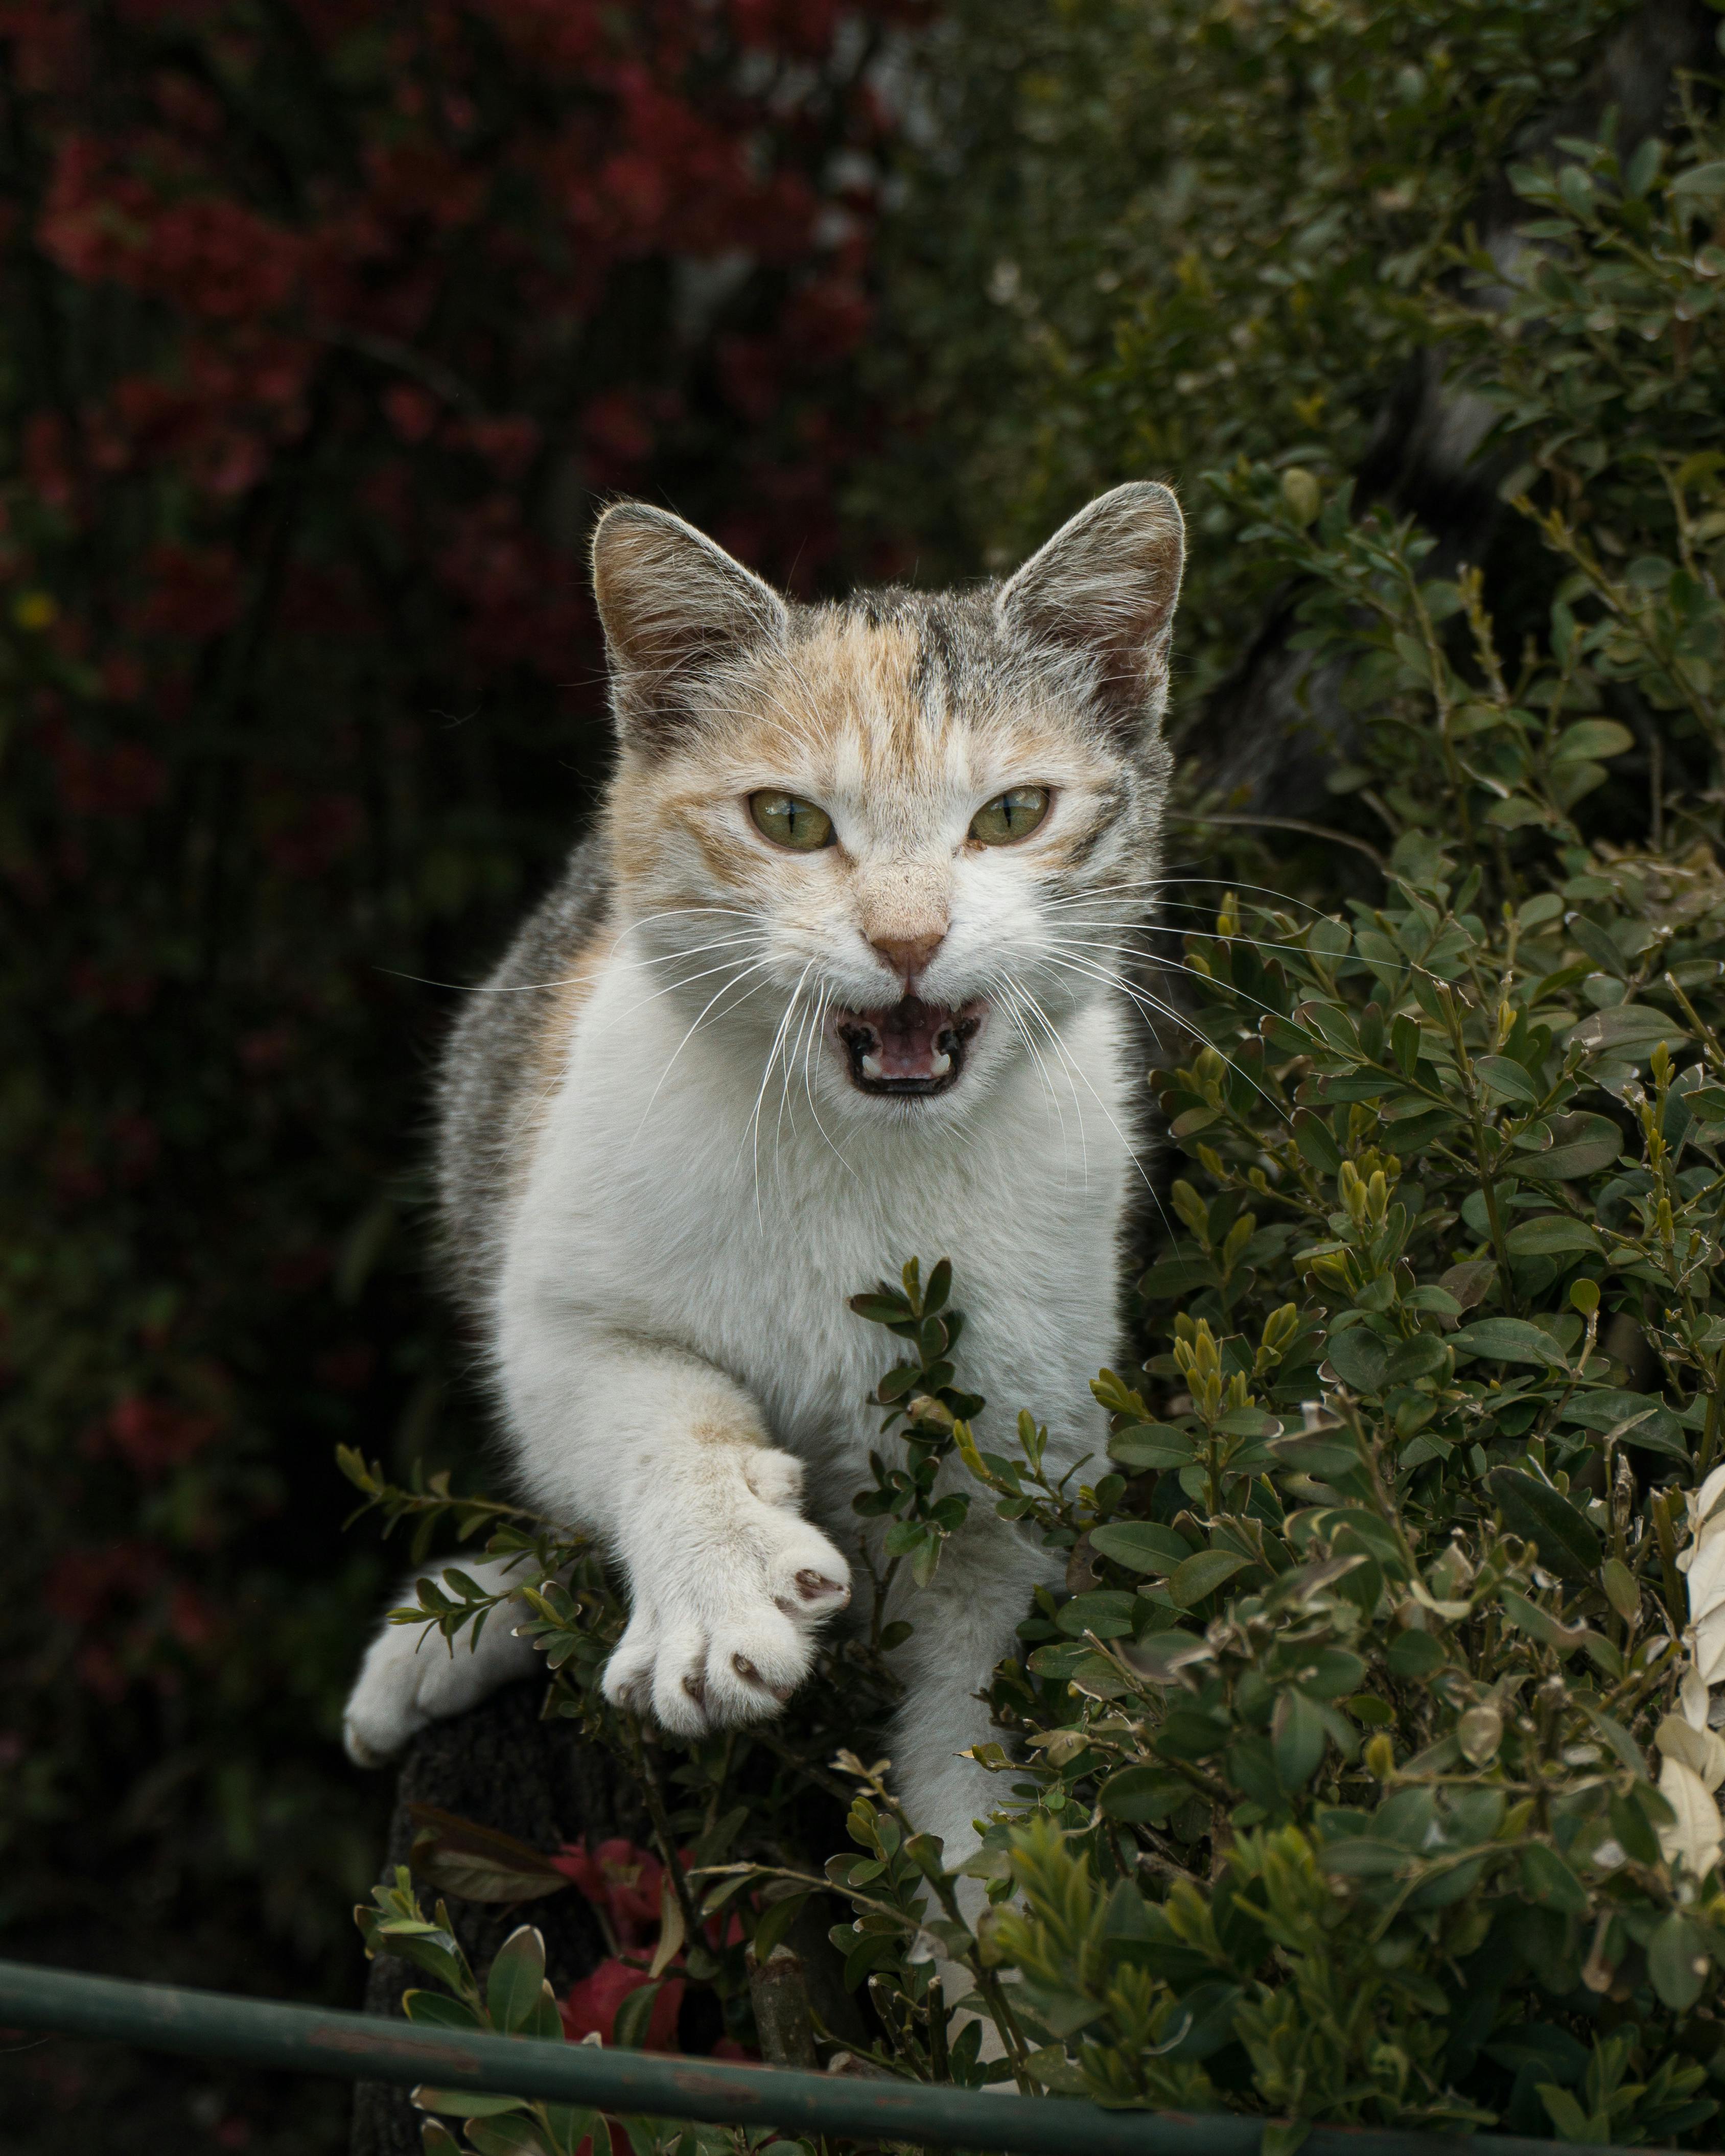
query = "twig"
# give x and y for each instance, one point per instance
(1296, 824)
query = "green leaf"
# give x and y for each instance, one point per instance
(507, 2136)
(571, 2126)
(1507, 1079)
(480, 1863)
(1548, 1879)
(1677, 1962)
(1634, 1830)
(1538, 1513)
(466, 2103)
(1177, 1276)
(1507, 1340)
(1414, 1657)
(1157, 1445)
(1200, 1576)
(1592, 737)
(1581, 1146)
(1297, 1735)
(439, 2009)
(886, 1308)
(517, 1979)
(1359, 1358)
(1700, 183)
(1540, 1623)
(1105, 1611)
(776, 1920)
(1311, 1135)
(1549, 1234)
(1141, 1546)
(1423, 1356)
(1628, 1029)
(1362, 1857)
(1321, 1456)
(1142, 1796)
(635, 2016)
(1637, 1417)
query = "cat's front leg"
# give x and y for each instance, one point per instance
(411, 1675)
(669, 1460)
(964, 1623)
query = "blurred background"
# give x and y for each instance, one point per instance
(325, 326)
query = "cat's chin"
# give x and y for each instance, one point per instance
(907, 1050)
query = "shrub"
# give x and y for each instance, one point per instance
(1367, 1773)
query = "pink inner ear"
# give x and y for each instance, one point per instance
(673, 603)
(1105, 587)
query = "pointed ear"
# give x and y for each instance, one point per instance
(1103, 590)
(675, 606)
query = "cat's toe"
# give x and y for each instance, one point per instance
(753, 1669)
(818, 1595)
(809, 1580)
(775, 1477)
(681, 1683)
(628, 1681)
(384, 1709)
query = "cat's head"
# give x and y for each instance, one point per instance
(890, 845)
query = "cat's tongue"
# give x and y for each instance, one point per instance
(908, 1047)
(908, 1040)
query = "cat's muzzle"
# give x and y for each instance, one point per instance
(909, 1049)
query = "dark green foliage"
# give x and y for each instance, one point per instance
(1368, 1771)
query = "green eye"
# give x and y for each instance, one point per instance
(1013, 814)
(788, 821)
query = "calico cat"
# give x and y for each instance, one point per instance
(836, 980)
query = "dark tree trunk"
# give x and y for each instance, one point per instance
(501, 1765)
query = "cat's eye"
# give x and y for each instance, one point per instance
(1013, 814)
(799, 825)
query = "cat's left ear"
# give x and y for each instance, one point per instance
(1103, 590)
(675, 606)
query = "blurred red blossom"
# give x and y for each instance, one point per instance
(327, 328)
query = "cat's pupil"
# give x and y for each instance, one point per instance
(790, 822)
(1013, 814)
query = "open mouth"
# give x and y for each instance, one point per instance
(910, 1048)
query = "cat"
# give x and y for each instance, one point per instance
(836, 979)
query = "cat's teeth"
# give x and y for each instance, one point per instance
(942, 1064)
(871, 1067)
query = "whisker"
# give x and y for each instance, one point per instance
(1015, 1008)
(1147, 1002)
(826, 997)
(671, 988)
(758, 967)
(751, 1130)
(1172, 966)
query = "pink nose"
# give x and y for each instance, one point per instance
(908, 954)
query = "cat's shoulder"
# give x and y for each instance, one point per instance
(503, 1058)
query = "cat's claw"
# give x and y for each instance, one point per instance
(728, 1607)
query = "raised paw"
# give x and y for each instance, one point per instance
(730, 1586)
(412, 1676)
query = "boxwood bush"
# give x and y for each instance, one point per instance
(1367, 1772)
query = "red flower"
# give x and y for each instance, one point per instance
(592, 2006)
(622, 1882)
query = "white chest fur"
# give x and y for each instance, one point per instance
(674, 1199)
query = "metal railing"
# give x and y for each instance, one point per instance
(362, 2047)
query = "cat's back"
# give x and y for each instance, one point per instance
(502, 1064)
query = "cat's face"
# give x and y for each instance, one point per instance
(889, 848)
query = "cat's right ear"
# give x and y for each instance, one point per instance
(675, 606)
